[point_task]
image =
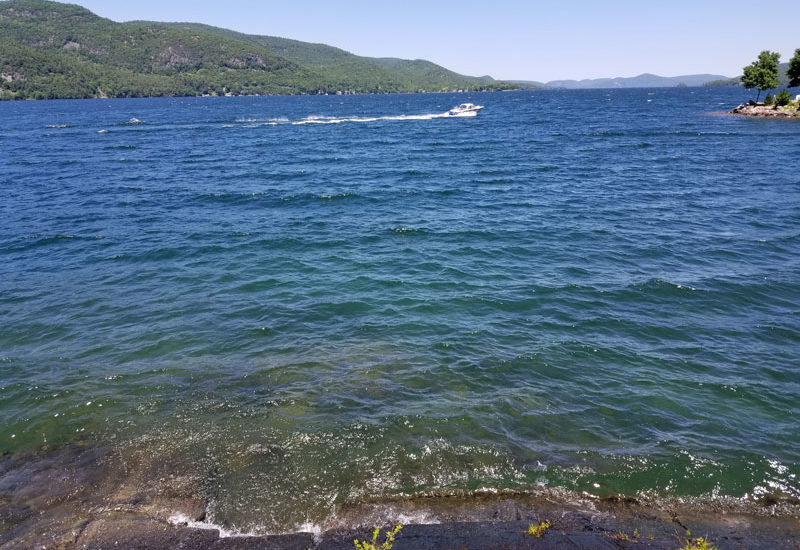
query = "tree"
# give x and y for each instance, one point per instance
(762, 73)
(793, 72)
(783, 98)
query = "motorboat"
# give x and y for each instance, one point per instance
(465, 109)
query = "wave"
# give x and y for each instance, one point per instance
(113, 147)
(130, 122)
(182, 520)
(38, 240)
(660, 285)
(274, 198)
(482, 504)
(404, 229)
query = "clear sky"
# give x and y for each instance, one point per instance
(509, 39)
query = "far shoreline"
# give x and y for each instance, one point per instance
(228, 96)
(4, 99)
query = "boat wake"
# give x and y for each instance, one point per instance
(339, 120)
(321, 119)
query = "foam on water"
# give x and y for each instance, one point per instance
(328, 119)
(318, 119)
(181, 519)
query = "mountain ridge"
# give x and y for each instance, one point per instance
(323, 57)
(55, 50)
(648, 80)
(644, 80)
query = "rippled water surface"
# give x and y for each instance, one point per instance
(304, 302)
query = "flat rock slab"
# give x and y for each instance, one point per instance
(572, 531)
(564, 535)
(136, 533)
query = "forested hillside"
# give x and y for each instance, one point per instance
(341, 70)
(54, 50)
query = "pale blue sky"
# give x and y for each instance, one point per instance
(509, 39)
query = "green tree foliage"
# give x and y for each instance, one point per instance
(762, 73)
(793, 72)
(783, 98)
(53, 50)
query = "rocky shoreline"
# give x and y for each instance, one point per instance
(769, 111)
(65, 499)
(620, 529)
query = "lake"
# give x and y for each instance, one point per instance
(298, 304)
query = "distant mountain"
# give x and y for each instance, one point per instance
(529, 84)
(54, 50)
(642, 81)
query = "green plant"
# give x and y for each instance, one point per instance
(768, 100)
(385, 545)
(538, 530)
(783, 98)
(623, 536)
(698, 543)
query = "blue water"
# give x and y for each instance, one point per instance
(304, 302)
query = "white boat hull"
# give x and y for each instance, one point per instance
(464, 113)
(465, 109)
